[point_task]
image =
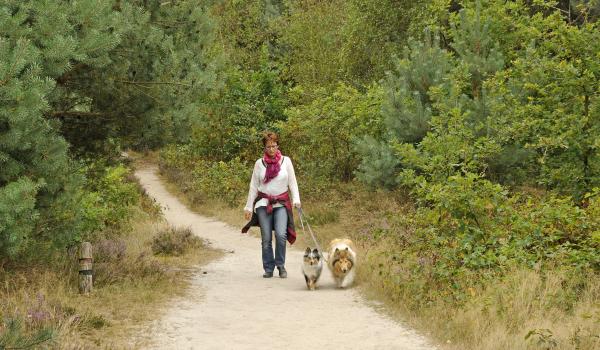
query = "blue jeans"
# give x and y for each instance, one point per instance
(276, 220)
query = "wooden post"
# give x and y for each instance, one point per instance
(85, 268)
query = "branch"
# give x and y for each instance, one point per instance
(171, 23)
(152, 83)
(147, 94)
(66, 76)
(9, 71)
(77, 114)
(28, 346)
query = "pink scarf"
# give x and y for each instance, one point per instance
(273, 165)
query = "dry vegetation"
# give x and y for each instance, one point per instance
(525, 309)
(135, 273)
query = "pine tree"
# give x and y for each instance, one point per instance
(528, 120)
(88, 70)
(408, 107)
(145, 89)
(38, 182)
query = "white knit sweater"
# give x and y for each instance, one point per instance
(286, 179)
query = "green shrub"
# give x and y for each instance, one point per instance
(468, 229)
(227, 181)
(177, 156)
(233, 117)
(320, 136)
(110, 199)
(531, 119)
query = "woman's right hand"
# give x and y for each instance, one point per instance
(247, 215)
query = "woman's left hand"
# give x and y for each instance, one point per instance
(297, 205)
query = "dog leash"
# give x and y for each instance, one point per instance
(302, 220)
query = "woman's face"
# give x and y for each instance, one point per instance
(271, 148)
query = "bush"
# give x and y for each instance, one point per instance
(227, 181)
(110, 250)
(175, 241)
(177, 156)
(17, 216)
(233, 117)
(529, 119)
(110, 199)
(468, 229)
(113, 264)
(320, 136)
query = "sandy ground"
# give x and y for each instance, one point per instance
(231, 306)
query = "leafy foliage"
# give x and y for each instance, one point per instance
(375, 32)
(245, 29)
(38, 179)
(482, 126)
(407, 107)
(482, 121)
(482, 227)
(226, 181)
(320, 136)
(18, 215)
(235, 116)
(110, 198)
(206, 179)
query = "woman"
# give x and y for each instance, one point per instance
(269, 204)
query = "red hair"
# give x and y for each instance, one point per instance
(270, 136)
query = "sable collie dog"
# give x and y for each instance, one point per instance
(312, 267)
(342, 258)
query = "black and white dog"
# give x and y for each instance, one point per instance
(312, 267)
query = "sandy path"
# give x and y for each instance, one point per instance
(232, 307)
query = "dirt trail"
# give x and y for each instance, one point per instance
(232, 307)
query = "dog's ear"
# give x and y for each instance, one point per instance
(316, 251)
(346, 249)
(307, 251)
(337, 250)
